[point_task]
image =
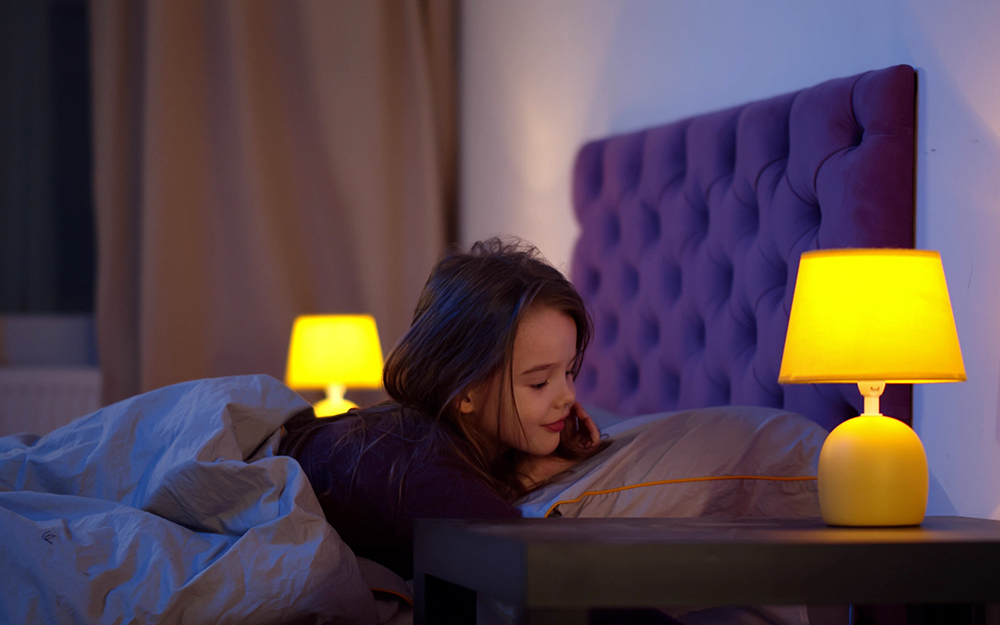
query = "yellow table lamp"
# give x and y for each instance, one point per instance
(334, 352)
(871, 316)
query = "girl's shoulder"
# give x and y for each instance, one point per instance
(385, 429)
(390, 418)
(387, 422)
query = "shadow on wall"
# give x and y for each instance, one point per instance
(938, 502)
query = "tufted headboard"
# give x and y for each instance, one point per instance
(691, 234)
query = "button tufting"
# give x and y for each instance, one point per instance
(632, 171)
(649, 333)
(670, 388)
(629, 282)
(607, 330)
(698, 333)
(753, 215)
(727, 390)
(726, 278)
(816, 216)
(649, 224)
(591, 282)
(703, 220)
(629, 377)
(859, 135)
(611, 230)
(781, 272)
(672, 281)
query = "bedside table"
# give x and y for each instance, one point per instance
(555, 569)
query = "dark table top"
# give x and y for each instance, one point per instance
(558, 563)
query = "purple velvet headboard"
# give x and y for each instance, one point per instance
(691, 234)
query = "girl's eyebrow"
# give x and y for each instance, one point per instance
(544, 367)
(539, 368)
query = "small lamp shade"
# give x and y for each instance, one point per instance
(871, 316)
(334, 352)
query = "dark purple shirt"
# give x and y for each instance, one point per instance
(372, 498)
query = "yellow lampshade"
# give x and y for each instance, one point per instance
(871, 316)
(334, 352)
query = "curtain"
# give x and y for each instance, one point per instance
(46, 212)
(259, 160)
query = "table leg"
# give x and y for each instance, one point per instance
(438, 602)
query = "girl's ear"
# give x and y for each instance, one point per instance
(468, 400)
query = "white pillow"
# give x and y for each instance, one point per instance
(727, 461)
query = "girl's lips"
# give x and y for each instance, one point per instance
(557, 426)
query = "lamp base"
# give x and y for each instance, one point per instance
(873, 472)
(334, 404)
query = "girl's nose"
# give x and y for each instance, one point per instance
(569, 393)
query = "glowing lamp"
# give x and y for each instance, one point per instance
(334, 352)
(871, 316)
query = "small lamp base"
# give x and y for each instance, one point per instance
(334, 404)
(873, 472)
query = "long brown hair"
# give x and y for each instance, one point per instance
(462, 335)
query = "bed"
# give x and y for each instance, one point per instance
(172, 506)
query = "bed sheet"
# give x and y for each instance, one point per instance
(171, 507)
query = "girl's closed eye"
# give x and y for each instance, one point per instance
(540, 385)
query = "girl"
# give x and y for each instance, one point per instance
(482, 407)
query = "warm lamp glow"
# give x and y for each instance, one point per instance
(871, 316)
(334, 352)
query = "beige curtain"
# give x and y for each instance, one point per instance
(256, 160)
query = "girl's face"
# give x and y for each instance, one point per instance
(544, 353)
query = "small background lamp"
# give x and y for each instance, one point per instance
(871, 316)
(334, 352)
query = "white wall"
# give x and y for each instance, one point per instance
(540, 77)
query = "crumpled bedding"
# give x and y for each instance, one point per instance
(171, 507)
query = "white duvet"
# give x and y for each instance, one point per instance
(171, 507)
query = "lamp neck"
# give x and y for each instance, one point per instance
(335, 391)
(871, 391)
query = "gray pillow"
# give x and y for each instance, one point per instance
(727, 461)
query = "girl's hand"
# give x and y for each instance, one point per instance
(580, 432)
(580, 428)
